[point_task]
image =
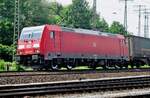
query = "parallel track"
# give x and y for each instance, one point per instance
(75, 86)
(63, 72)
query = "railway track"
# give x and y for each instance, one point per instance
(39, 77)
(102, 84)
(63, 72)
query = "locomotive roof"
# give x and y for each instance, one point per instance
(92, 32)
(34, 27)
(79, 30)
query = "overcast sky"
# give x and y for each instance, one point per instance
(107, 8)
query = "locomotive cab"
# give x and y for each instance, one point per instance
(28, 49)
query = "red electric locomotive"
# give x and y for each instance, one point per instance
(52, 46)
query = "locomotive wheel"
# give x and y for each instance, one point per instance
(126, 65)
(46, 68)
(35, 69)
(118, 66)
(69, 66)
(104, 67)
(93, 67)
(54, 66)
(133, 64)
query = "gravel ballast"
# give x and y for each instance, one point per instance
(64, 77)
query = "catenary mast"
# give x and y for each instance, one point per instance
(16, 26)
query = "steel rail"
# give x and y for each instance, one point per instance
(75, 86)
(63, 72)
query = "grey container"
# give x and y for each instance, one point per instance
(139, 47)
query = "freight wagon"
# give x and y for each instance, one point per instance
(139, 50)
(52, 46)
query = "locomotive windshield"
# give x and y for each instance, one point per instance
(29, 33)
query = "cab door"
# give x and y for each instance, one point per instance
(55, 39)
(57, 42)
(121, 47)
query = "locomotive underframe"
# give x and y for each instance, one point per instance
(56, 62)
(34, 61)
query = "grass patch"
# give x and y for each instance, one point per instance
(145, 66)
(82, 67)
(2, 65)
(10, 66)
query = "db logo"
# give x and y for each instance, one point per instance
(94, 44)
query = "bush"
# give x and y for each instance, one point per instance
(2, 65)
(17, 67)
(6, 52)
(10, 66)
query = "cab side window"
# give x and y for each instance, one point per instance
(125, 42)
(122, 42)
(52, 35)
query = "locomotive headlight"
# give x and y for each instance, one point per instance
(37, 51)
(19, 52)
(36, 46)
(20, 46)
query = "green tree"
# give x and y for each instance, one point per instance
(79, 15)
(6, 21)
(101, 25)
(64, 14)
(7, 9)
(34, 12)
(6, 32)
(55, 13)
(118, 28)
